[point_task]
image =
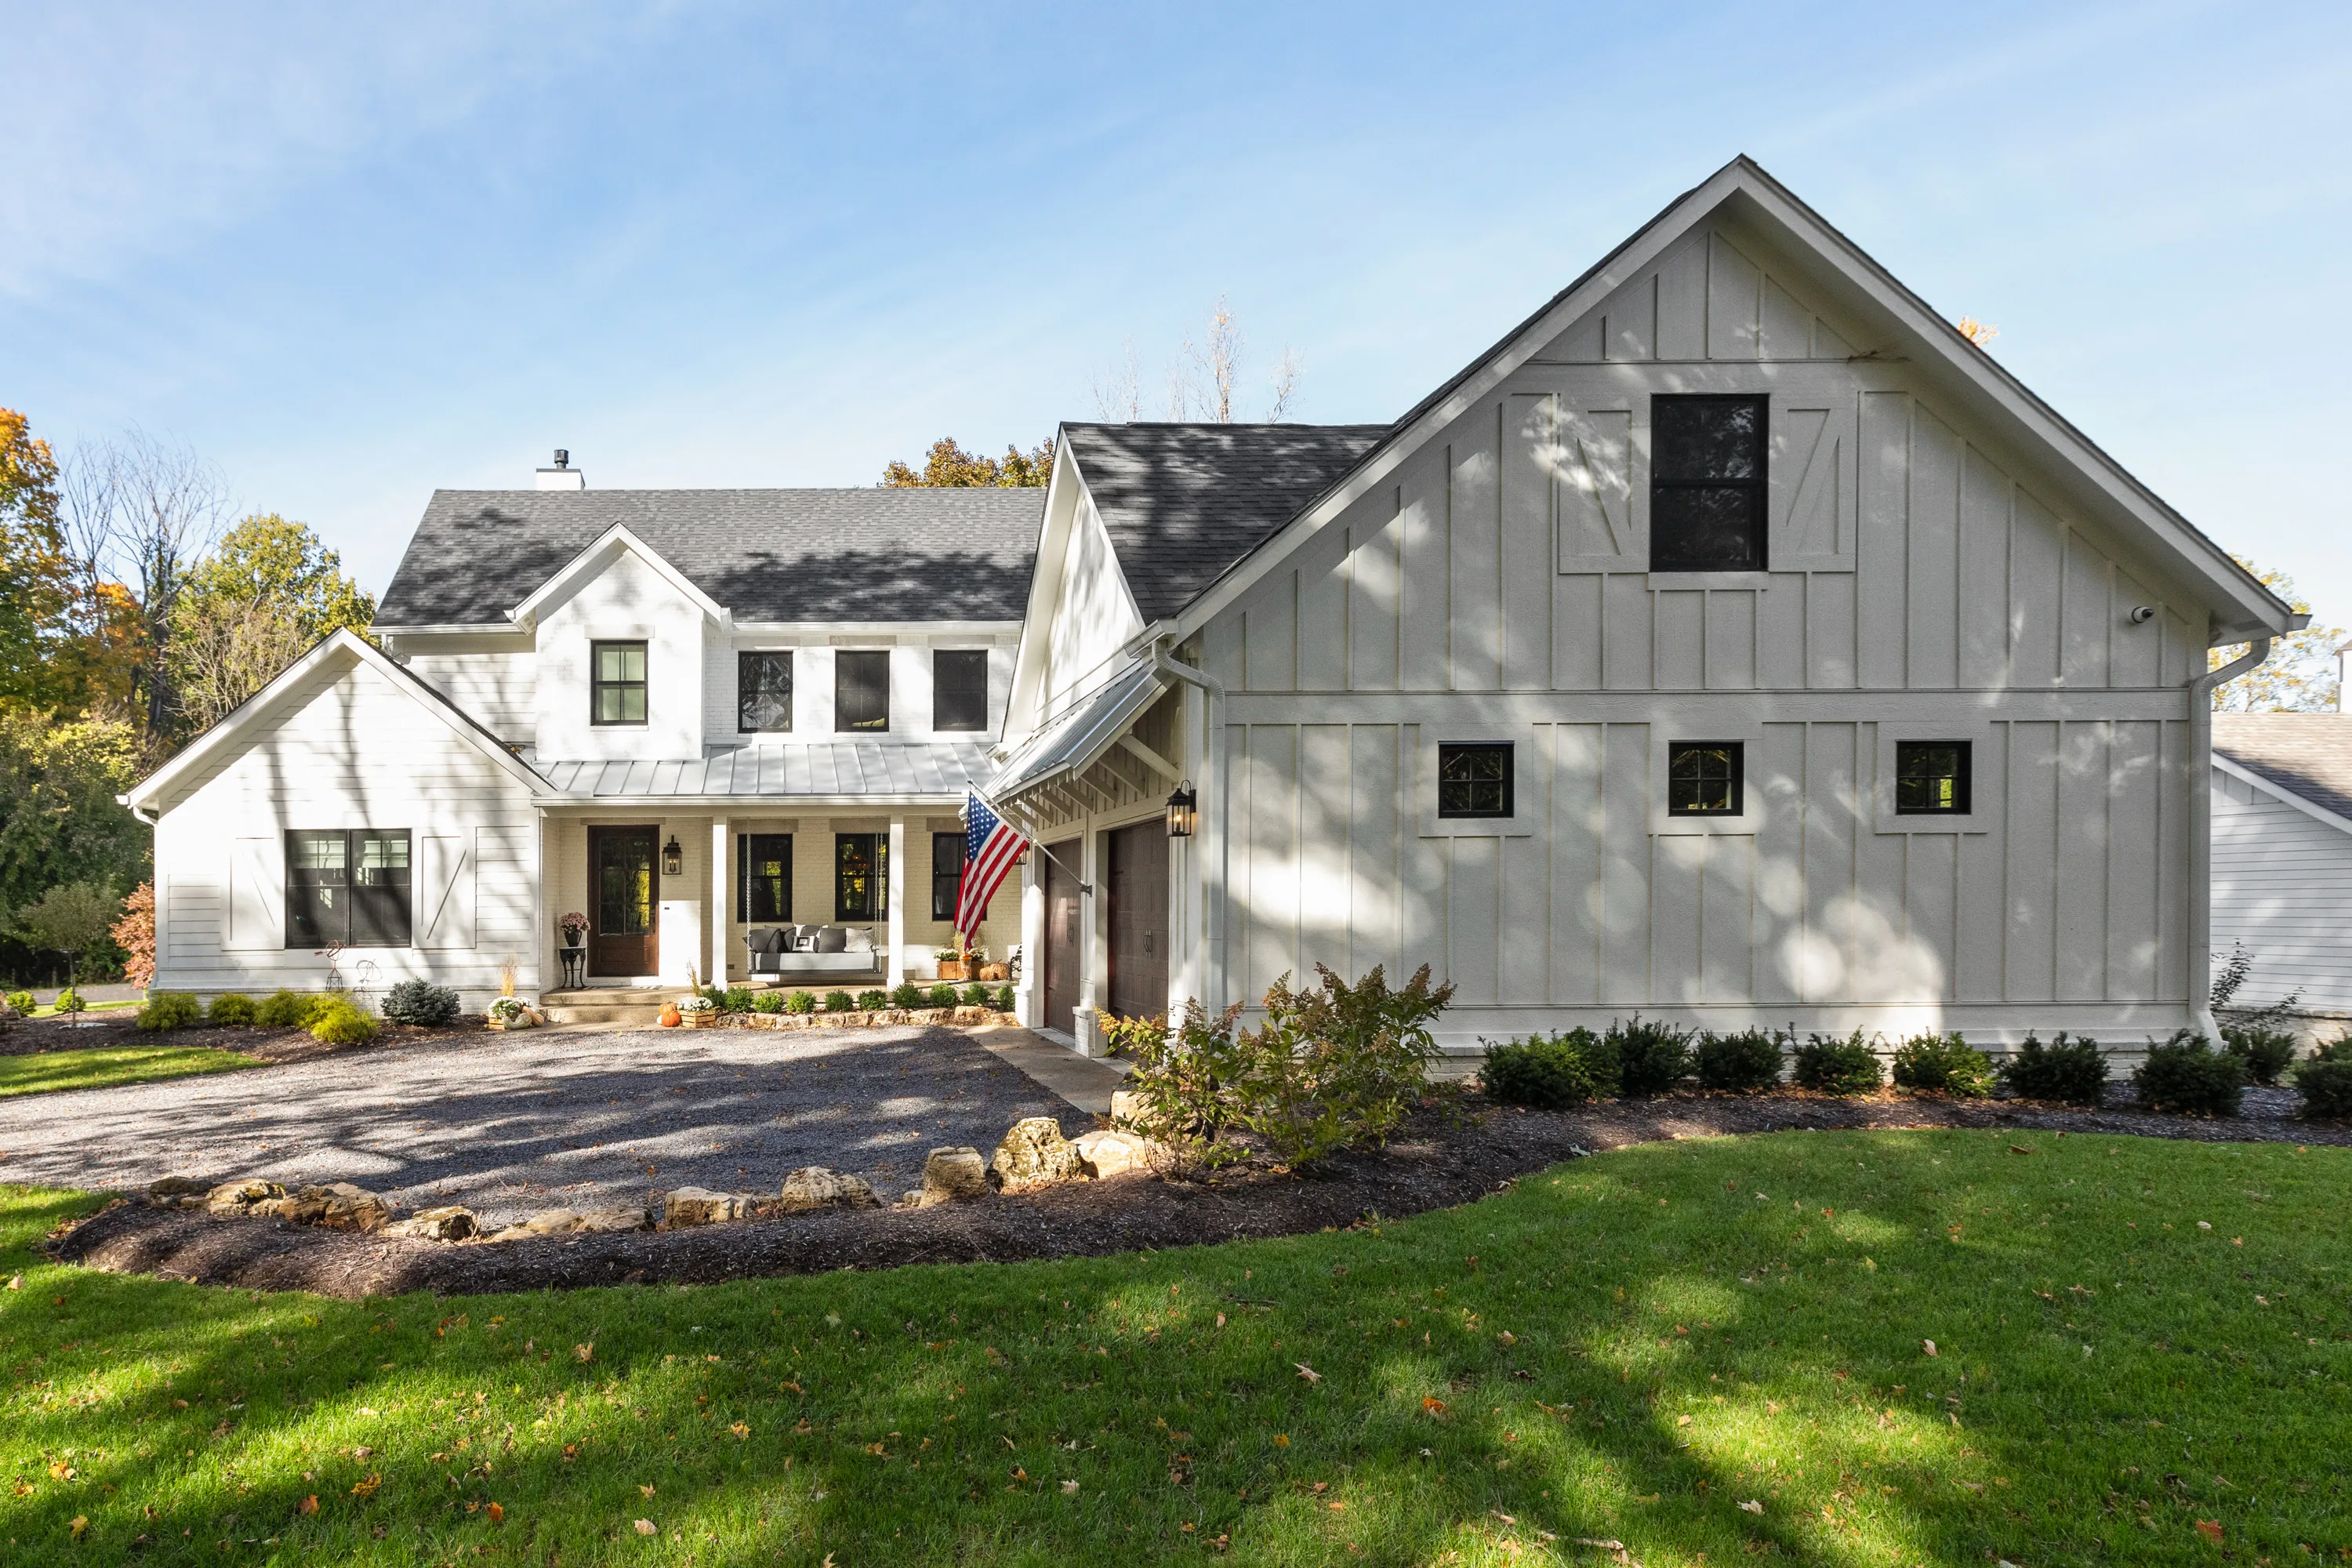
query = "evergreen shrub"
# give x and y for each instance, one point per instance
(1743, 1063)
(2071, 1069)
(1835, 1064)
(420, 1002)
(230, 1007)
(2187, 1076)
(169, 1010)
(1942, 1064)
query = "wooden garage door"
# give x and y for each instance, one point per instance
(1061, 936)
(1139, 921)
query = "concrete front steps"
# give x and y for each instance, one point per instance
(608, 1005)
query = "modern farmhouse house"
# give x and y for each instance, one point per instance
(1733, 642)
(731, 728)
(2283, 860)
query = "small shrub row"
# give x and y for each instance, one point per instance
(23, 1002)
(1643, 1058)
(1836, 1064)
(2072, 1070)
(2187, 1075)
(168, 1010)
(2325, 1081)
(2266, 1052)
(1942, 1064)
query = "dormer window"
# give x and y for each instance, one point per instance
(764, 691)
(861, 691)
(959, 689)
(616, 683)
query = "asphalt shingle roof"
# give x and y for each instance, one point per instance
(947, 554)
(1184, 503)
(2306, 754)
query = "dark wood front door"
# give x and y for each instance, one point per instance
(1062, 936)
(1139, 921)
(624, 891)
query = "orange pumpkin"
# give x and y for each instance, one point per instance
(669, 1017)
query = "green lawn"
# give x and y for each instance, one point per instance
(101, 1069)
(1632, 1346)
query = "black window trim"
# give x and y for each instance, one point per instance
(1759, 487)
(743, 915)
(1963, 803)
(743, 662)
(1446, 750)
(980, 656)
(946, 885)
(878, 880)
(351, 839)
(1738, 779)
(597, 685)
(841, 728)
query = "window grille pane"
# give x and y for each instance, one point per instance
(767, 861)
(764, 691)
(960, 689)
(616, 688)
(946, 874)
(861, 691)
(1931, 778)
(1707, 483)
(862, 875)
(1475, 780)
(1704, 778)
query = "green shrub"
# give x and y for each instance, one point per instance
(1835, 1064)
(800, 1004)
(770, 1002)
(1187, 1080)
(289, 1009)
(69, 1001)
(1942, 1064)
(839, 1002)
(906, 993)
(1651, 1057)
(1741, 1063)
(343, 1023)
(169, 1010)
(2325, 1081)
(2188, 1077)
(1550, 1071)
(230, 1007)
(978, 996)
(420, 1002)
(1004, 998)
(2266, 1052)
(940, 996)
(872, 1001)
(2072, 1070)
(738, 999)
(23, 1002)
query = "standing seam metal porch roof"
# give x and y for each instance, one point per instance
(820, 769)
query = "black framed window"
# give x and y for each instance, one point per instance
(1706, 778)
(764, 690)
(763, 878)
(1706, 483)
(946, 874)
(861, 691)
(959, 689)
(1475, 779)
(616, 683)
(347, 886)
(861, 863)
(1931, 778)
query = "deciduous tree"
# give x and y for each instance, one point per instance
(949, 464)
(2300, 676)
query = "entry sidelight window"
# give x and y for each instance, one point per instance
(1704, 778)
(347, 887)
(616, 683)
(946, 874)
(764, 691)
(1706, 484)
(1931, 778)
(861, 876)
(1475, 780)
(763, 878)
(861, 691)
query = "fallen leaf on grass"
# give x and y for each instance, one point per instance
(645, 1488)
(366, 1486)
(309, 1504)
(647, 1527)
(498, 1514)
(2211, 1529)
(1752, 1506)
(1928, 1345)
(16, 1282)
(81, 1524)
(2019, 1149)
(1282, 1439)
(584, 1353)
(60, 1471)
(1307, 1373)
(1434, 1405)
(1069, 1488)
(740, 1430)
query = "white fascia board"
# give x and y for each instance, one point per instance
(1063, 488)
(590, 562)
(452, 628)
(2102, 481)
(876, 628)
(229, 734)
(2277, 791)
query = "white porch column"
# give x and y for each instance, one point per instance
(1029, 997)
(722, 911)
(896, 973)
(1094, 944)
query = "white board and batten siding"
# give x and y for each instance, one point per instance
(1924, 585)
(349, 749)
(2283, 886)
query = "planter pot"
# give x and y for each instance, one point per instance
(951, 969)
(699, 1020)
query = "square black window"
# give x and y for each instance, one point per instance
(1706, 778)
(1474, 780)
(1931, 778)
(616, 683)
(861, 691)
(946, 874)
(1706, 484)
(764, 690)
(862, 875)
(959, 689)
(764, 879)
(347, 888)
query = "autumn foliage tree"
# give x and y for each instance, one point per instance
(134, 933)
(947, 465)
(2300, 674)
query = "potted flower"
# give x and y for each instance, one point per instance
(511, 1013)
(951, 962)
(575, 927)
(698, 1012)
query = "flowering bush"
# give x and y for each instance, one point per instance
(573, 925)
(697, 1003)
(507, 1009)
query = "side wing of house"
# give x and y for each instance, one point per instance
(345, 776)
(2283, 886)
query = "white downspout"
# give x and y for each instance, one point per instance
(1213, 819)
(2200, 833)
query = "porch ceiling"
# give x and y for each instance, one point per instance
(875, 771)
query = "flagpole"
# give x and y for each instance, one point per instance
(1037, 843)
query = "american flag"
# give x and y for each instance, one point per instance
(990, 849)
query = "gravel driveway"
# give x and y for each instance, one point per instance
(508, 1125)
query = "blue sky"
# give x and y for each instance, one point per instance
(355, 254)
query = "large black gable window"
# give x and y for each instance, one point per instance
(616, 683)
(861, 691)
(346, 886)
(959, 689)
(1931, 778)
(764, 691)
(1706, 778)
(1706, 484)
(1475, 779)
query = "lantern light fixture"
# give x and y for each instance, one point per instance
(673, 858)
(1183, 811)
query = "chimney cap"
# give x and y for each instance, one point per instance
(562, 458)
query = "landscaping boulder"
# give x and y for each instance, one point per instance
(949, 1175)
(244, 1197)
(814, 1187)
(1125, 1104)
(180, 1192)
(337, 1205)
(606, 1222)
(552, 1222)
(700, 1206)
(1034, 1152)
(1113, 1152)
(450, 1222)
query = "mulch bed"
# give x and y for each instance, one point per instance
(1448, 1156)
(113, 1030)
